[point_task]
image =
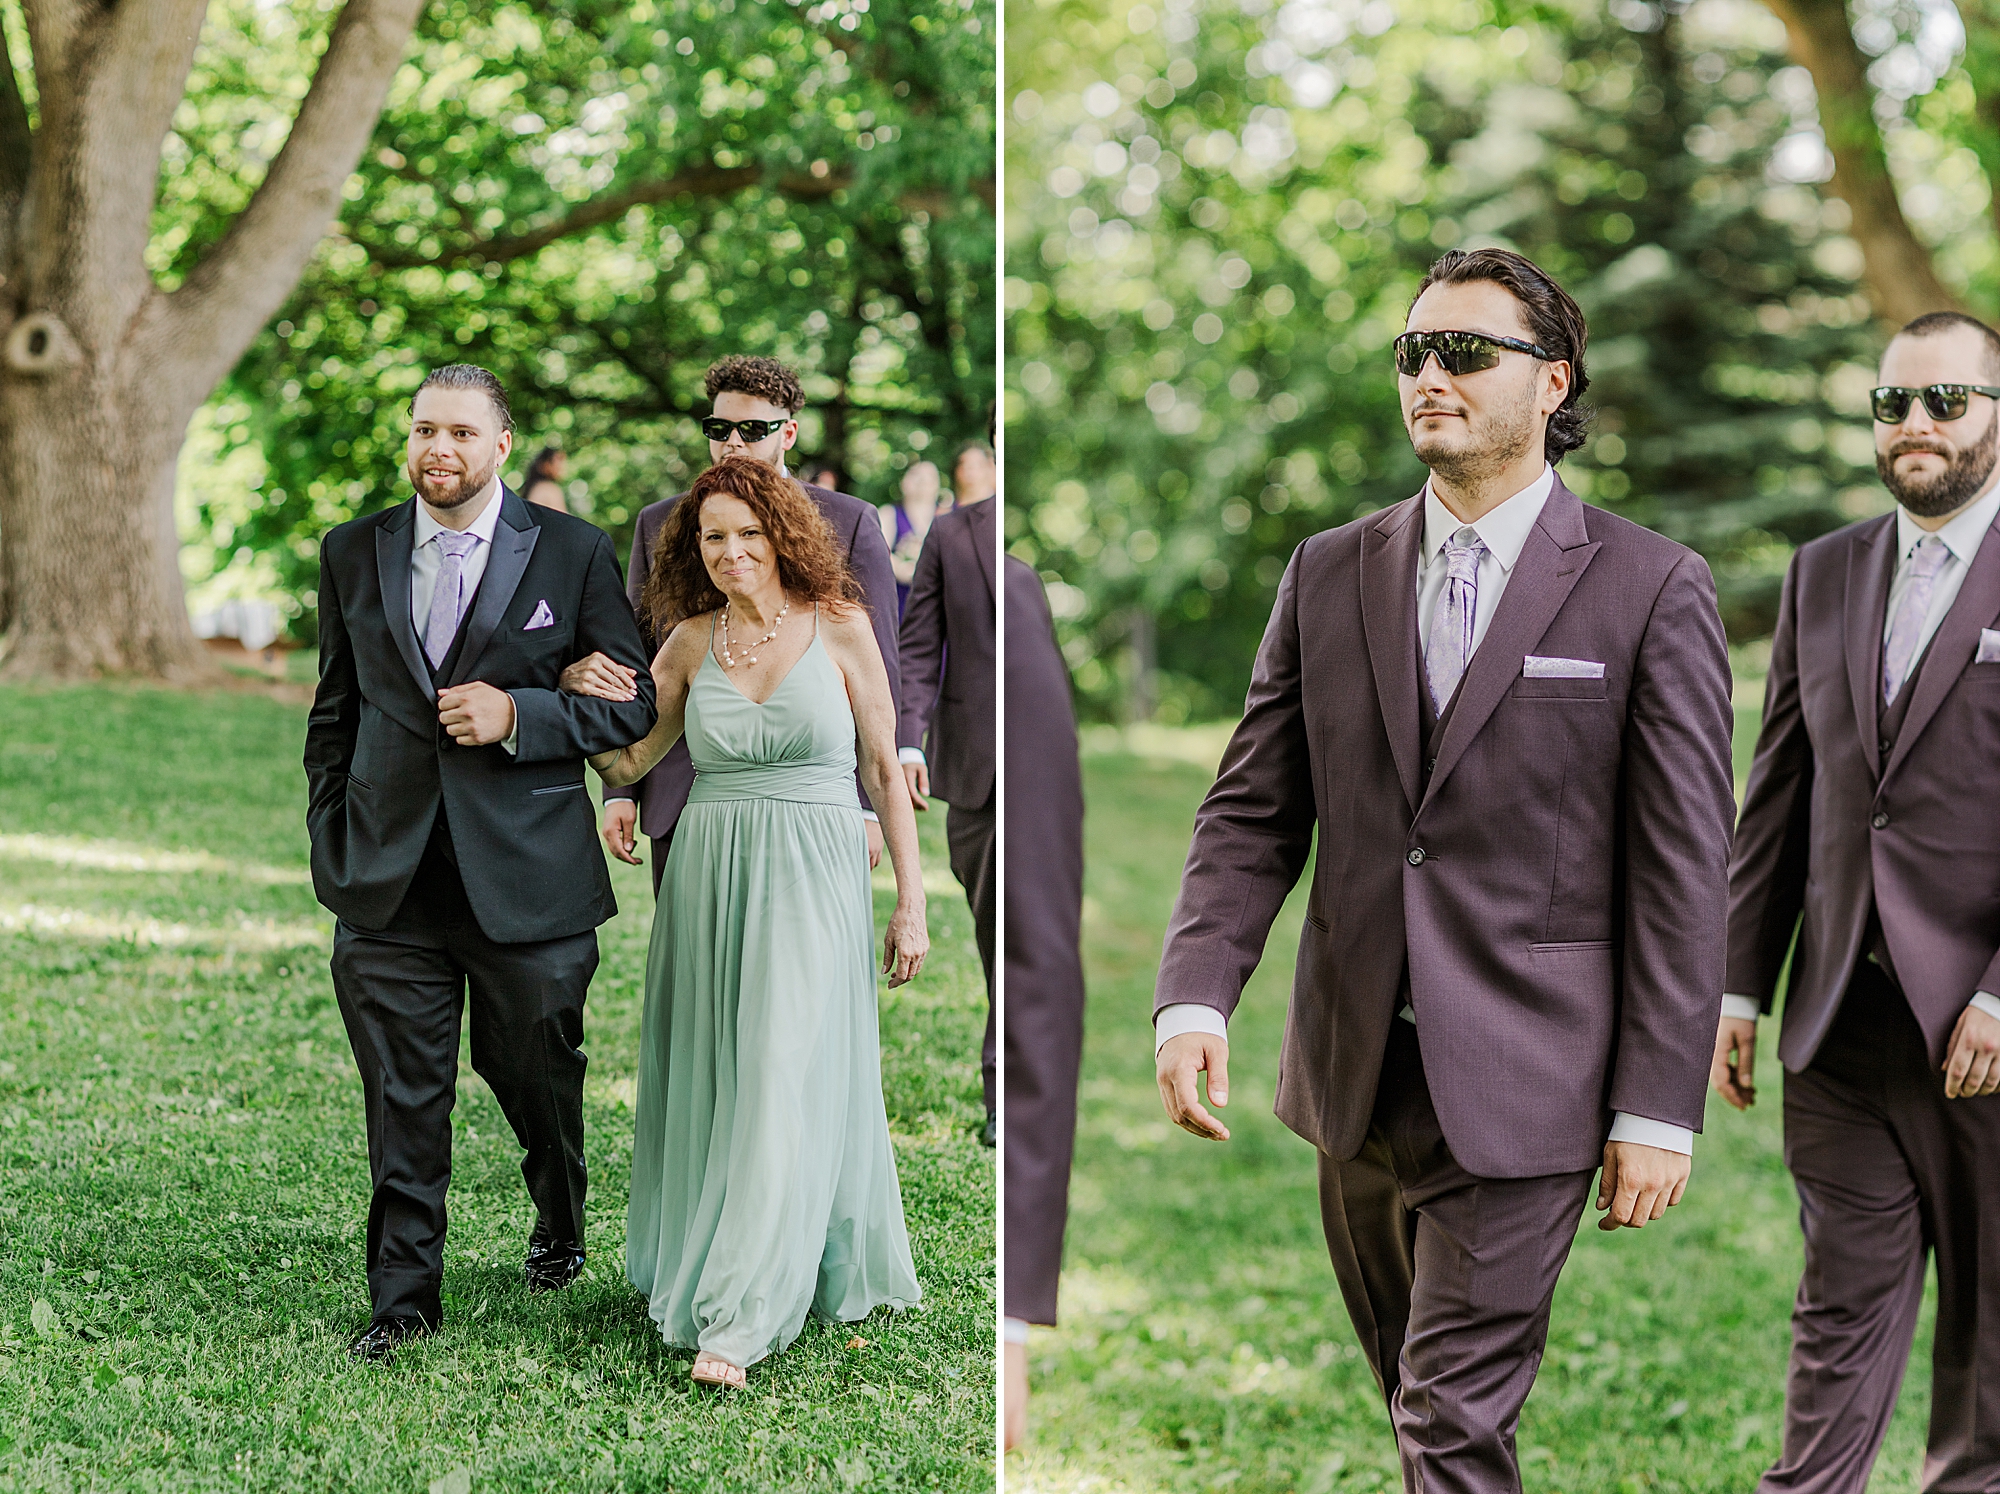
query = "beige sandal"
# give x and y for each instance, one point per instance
(709, 1370)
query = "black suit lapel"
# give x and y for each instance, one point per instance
(1553, 560)
(1871, 560)
(1389, 618)
(394, 557)
(514, 540)
(1952, 646)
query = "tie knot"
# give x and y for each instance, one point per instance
(1462, 554)
(1930, 556)
(458, 546)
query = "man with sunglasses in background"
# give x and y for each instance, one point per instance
(755, 403)
(1869, 826)
(1509, 717)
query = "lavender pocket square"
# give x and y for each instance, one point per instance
(1989, 647)
(1535, 667)
(542, 618)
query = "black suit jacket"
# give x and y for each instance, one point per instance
(946, 645)
(378, 764)
(663, 793)
(1833, 827)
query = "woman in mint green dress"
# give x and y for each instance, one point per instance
(763, 1184)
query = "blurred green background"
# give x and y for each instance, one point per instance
(595, 199)
(1218, 213)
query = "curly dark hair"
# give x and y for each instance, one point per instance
(1554, 321)
(810, 563)
(762, 378)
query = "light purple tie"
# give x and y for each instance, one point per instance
(1452, 618)
(1901, 649)
(447, 603)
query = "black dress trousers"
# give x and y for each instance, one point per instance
(402, 991)
(969, 838)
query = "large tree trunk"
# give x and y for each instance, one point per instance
(1901, 278)
(101, 370)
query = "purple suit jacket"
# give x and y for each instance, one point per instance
(1552, 888)
(950, 693)
(1832, 827)
(663, 793)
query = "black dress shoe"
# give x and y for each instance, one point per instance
(550, 1267)
(378, 1343)
(989, 1134)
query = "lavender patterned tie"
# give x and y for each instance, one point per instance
(1901, 649)
(447, 605)
(1451, 620)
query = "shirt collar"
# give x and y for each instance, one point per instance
(1961, 536)
(1504, 529)
(481, 528)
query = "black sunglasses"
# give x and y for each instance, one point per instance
(1459, 352)
(718, 429)
(1944, 401)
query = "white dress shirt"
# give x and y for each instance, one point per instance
(428, 558)
(1504, 531)
(1962, 537)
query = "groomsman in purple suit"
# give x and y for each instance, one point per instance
(1869, 828)
(1508, 717)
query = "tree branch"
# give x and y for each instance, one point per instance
(17, 153)
(1901, 276)
(243, 280)
(1982, 66)
(696, 181)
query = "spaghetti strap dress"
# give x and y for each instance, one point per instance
(764, 1187)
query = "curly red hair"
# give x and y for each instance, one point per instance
(810, 563)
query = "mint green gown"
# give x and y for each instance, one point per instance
(763, 1184)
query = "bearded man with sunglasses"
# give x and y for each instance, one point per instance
(755, 404)
(1869, 828)
(1508, 716)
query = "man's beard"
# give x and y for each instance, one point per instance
(1492, 447)
(1965, 473)
(461, 492)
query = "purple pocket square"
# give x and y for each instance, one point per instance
(542, 618)
(1989, 646)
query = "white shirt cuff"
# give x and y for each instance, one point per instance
(512, 744)
(869, 814)
(1187, 1016)
(1743, 1008)
(1014, 1330)
(1986, 1002)
(911, 755)
(1652, 1133)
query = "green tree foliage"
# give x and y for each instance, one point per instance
(1218, 219)
(596, 201)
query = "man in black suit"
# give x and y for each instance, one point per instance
(755, 403)
(950, 694)
(452, 834)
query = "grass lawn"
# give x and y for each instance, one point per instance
(185, 1177)
(1204, 1345)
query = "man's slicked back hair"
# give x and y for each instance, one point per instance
(760, 378)
(469, 376)
(1555, 324)
(1938, 323)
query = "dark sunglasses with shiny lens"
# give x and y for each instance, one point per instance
(1943, 401)
(718, 429)
(1458, 352)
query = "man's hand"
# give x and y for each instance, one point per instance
(1013, 1395)
(1181, 1058)
(874, 828)
(1735, 1060)
(918, 777)
(1972, 1062)
(476, 714)
(1640, 1183)
(621, 824)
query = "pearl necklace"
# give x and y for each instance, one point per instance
(749, 652)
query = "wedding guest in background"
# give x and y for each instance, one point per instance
(950, 716)
(905, 524)
(1044, 964)
(763, 1182)
(544, 482)
(755, 406)
(1868, 828)
(974, 474)
(820, 475)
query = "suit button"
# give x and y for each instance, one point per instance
(1417, 856)
(1885, 745)
(1880, 822)
(1431, 766)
